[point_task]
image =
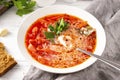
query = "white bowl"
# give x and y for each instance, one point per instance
(101, 38)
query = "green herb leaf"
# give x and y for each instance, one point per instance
(51, 28)
(49, 35)
(60, 26)
(24, 2)
(18, 4)
(66, 25)
(31, 4)
(24, 6)
(21, 12)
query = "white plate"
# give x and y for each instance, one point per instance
(101, 39)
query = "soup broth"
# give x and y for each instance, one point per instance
(52, 40)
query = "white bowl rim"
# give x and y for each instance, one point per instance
(54, 9)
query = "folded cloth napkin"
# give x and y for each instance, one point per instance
(108, 13)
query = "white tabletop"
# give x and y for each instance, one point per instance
(11, 21)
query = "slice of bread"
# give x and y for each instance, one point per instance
(6, 60)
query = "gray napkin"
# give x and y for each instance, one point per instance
(108, 13)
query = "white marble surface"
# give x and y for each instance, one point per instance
(11, 21)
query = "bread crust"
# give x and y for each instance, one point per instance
(6, 60)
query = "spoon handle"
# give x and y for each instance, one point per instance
(110, 63)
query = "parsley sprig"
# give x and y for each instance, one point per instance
(23, 6)
(60, 26)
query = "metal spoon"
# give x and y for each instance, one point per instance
(110, 63)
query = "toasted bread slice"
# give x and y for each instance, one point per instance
(6, 60)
